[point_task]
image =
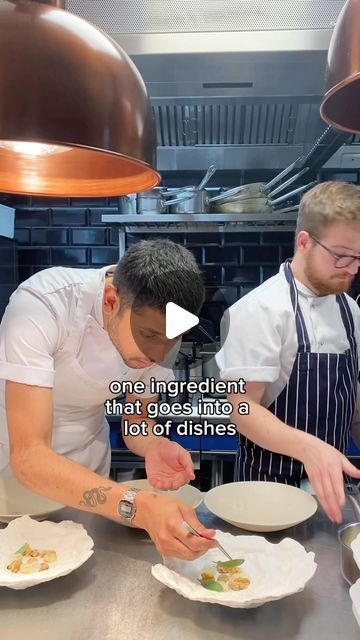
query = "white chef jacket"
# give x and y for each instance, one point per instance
(258, 333)
(43, 318)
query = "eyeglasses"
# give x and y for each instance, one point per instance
(341, 261)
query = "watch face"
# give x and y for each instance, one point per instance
(126, 509)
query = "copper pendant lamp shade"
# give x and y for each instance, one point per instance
(341, 103)
(75, 118)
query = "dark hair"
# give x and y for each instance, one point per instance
(154, 272)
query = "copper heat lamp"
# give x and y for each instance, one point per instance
(341, 103)
(75, 118)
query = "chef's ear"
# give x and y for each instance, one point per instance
(111, 300)
(303, 241)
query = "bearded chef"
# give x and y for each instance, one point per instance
(65, 336)
(295, 341)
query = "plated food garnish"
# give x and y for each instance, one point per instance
(27, 560)
(226, 576)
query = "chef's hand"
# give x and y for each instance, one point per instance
(168, 465)
(325, 467)
(163, 518)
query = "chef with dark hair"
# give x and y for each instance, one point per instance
(65, 336)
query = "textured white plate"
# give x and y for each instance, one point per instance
(69, 539)
(275, 571)
(187, 494)
(260, 506)
(355, 597)
(16, 500)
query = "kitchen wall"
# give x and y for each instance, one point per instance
(232, 263)
(8, 270)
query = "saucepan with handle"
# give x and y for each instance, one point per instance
(256, 189)
(347, 534)
(154, 201)
(239, 204)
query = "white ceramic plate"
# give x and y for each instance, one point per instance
(16, 500)
(355, 597)
(187, 494)
(69, 539)
(274, 570)
(260, 506)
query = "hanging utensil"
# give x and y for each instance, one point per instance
(297, 163)
(286, 196)
(288, 182)
(260, 188)
(210, 172)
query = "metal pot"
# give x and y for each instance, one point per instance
(260, 189)
(127, 204)
(154, 201)
(240, 204)
(190, 200)
(349, 568)
(348, 533)
(255, 205)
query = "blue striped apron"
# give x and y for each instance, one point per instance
(320, 398)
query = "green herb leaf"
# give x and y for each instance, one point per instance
(212, 585)
(25, 547)
(229, 563)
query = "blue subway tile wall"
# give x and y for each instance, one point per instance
(9, 274)
(232, 264)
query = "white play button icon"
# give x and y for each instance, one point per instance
(178, 320)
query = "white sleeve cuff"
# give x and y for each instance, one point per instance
(27, 375)
(251, 374)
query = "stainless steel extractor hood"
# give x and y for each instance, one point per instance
(237, 83)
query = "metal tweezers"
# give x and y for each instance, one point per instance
(190, 529)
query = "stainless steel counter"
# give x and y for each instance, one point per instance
(113, 595)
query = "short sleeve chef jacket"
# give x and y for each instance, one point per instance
(37, 320)
(258, 333)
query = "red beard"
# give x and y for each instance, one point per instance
(335, 284)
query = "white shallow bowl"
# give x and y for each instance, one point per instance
(260, 506)
(274, 570)
(355, 597)
(16, 500)
(187, 494)
(69, 539)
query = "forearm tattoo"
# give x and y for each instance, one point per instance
(95, 496)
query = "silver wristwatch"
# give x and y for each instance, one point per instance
(127, 505)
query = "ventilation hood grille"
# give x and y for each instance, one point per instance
(231, 123)
(237, 83)
(189, 16)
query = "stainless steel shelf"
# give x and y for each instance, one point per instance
(202, 222)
